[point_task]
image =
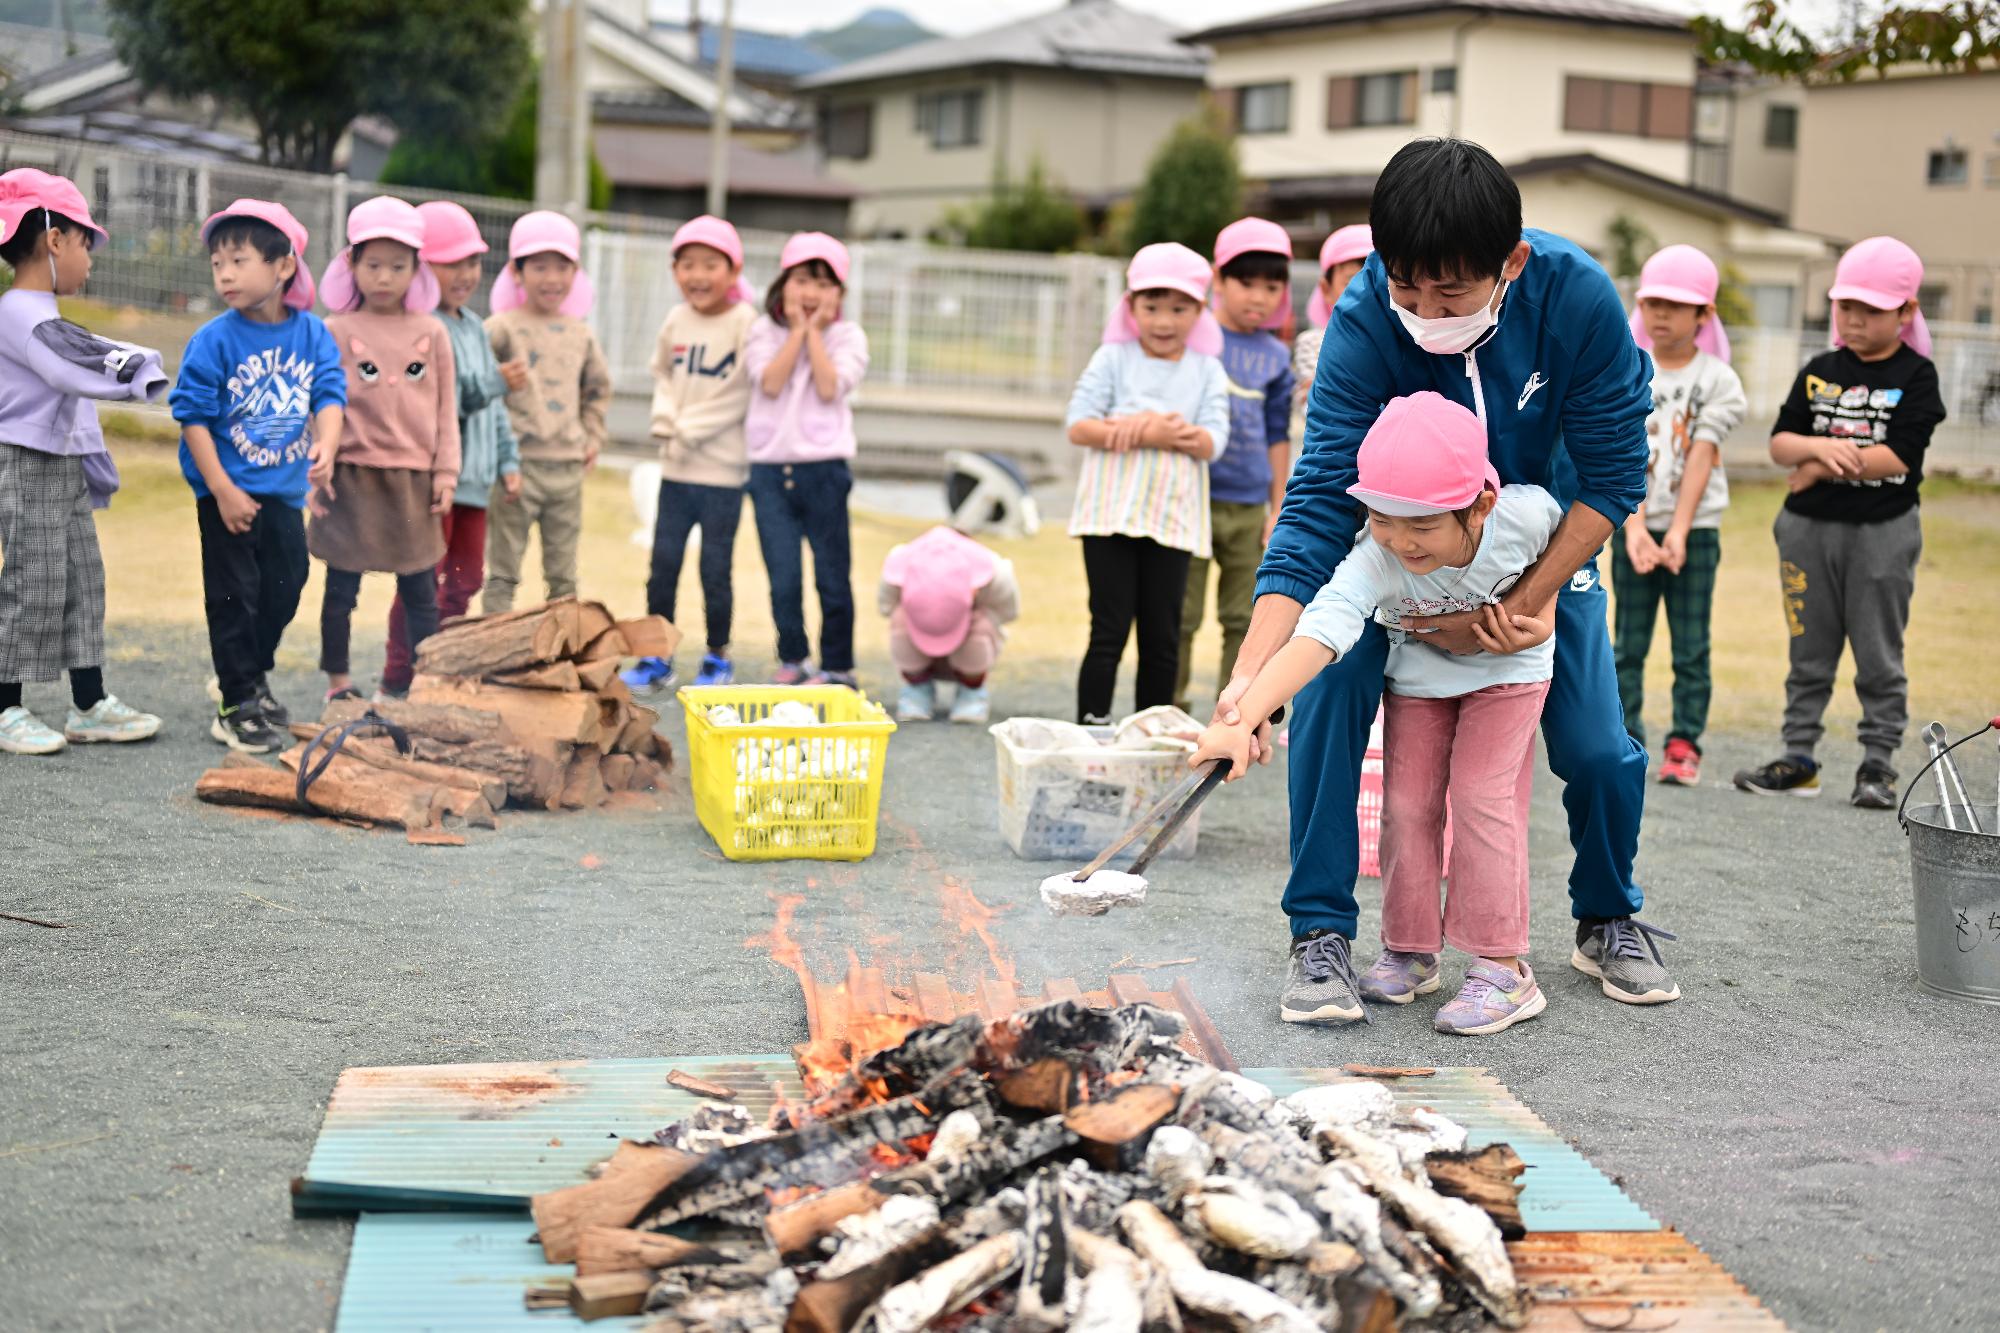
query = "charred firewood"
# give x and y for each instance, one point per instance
(949, 1286)
(1045, 1296)
(1355, 1216)
(1007, 1150)
(1243, 1304)
(903, 1222)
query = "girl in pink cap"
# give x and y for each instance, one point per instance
(397, 467)
(1151, 409)
(1341, 256)
(54, 468)
(805, 362)
(1446, 536)
(1853, 431)
(1672, 545)
(701, 393)
(947, 598)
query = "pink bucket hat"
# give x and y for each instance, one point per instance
(542, 233)
(810, 245)
(24, 189)
(1344, 246)
(1171, 266)
(719, 236)
(450, 233)
(303, 292)
(940, 573)
(1424, 455)
(1684, 274)
(383, 218)
(1884, 273)
(1248, 236)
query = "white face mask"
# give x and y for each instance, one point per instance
(1450, 335)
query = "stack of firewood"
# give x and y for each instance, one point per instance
(1062, 1167)
(524, 709)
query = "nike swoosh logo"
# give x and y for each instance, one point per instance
(1534, 386)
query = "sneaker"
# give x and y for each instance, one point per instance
(110, 721)
(972, 706)
(792, 673)
(1398, 977)
(1874, 787)
(275, 713)
(1320, 986)
(845, 679)
(715, 671)
(1095, 720)
(1788, 776)
(1622, 954)
(652, 675)
(246, 730)
(1492, 1000)
(21, 732)
(345, 692)
(1681, 765)
(917, 702)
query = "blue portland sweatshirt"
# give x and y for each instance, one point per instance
(1561, 386)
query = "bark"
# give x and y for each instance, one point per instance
(276, 789)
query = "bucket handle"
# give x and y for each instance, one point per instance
(1911, 785)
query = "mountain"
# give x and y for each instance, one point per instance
(869, 33)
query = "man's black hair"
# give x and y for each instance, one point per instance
(1444, 208)
(20, 247)
(1253, 265)
(270, 244)
(774, 295)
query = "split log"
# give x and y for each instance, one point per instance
(1044, 1299)
(1114, 1285)
(1489, 1178)
(650, 636)
(700, 1087)
(563, 717)
(465, 803)
(1244, 1304)
(446, 722)
(548, 676)
(832, 1305)
(950, 1286)
(593, 619)
(275, 789)
(1356, 1217)
(606, 647)
(621, 1250)
(583, 784)
(796, 1230)
(237, 759)
(866, 1239)
(608, 1295)
(595, 676)
(1047, 1086)
(533, 779)
(618, 770)
(647, 775)
(635, 1173)
(1116, 1127)
(1000, 1154)
(382, 754)
(637, 736)
(476, 646)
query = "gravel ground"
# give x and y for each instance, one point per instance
(1805, 1113)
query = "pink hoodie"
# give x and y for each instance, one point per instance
(796, 425)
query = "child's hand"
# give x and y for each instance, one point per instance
(1223, 741)
(1163, 429)
(1641, 550)
(1805, 476)
(1502, 634)
(822, 316)
(795, 313)
(1841, 458)
(319, 473)
(237, 509)
(515, 372)
(441, 492)
(589, 456)
(1674, 550)
(511, 484)
(1126, 432)
(319, 500)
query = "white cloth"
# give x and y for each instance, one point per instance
(1700, 403)
(1371, 584)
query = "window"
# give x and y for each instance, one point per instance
(848, 131)
(1264, 108)
(1371, 99)
(1773, 305)
(1781, 127)
(1946, 167)
(1993, 171)
(1621, 106)
(1934, 299)
(1444, 80)
(951, 120)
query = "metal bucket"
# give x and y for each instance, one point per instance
(1956, 879)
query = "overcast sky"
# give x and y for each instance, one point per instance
(959, 16)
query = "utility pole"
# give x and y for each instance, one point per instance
(718, 121)
(562, 121)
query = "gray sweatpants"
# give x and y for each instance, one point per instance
(1847, 584)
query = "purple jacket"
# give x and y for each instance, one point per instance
(51, 369)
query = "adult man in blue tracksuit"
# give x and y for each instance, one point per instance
(1527, 330)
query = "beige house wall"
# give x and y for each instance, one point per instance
(1760, 175)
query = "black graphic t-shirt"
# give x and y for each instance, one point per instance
(1894, 402)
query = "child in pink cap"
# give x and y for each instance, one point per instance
(1341, 256)
(397, 468)
(1853, 431)
(701, 393)
(1673, 542)
(1246, 480)
(54, 468)
(559, 391)
(1151, 409)
(1446, 537)
(947, 598)
(805, 362)
(261, 400)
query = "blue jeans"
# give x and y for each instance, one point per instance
(716, 510)
(807, 503)
(1583, 729)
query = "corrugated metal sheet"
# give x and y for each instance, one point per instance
(1634, 1281)
(1561, 1190)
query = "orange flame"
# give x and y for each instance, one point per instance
(963, 909)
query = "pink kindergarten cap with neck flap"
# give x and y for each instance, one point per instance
(1424, 455)
(720, 237)
(303, 292)
(543, 232)
(1167, 266)
(940, 573)
(1255, 236)
(1344, 246)
(383, 218)
(809, 245)
(1684, 274)
(450, 233)
(1884, 273)
(24, 189)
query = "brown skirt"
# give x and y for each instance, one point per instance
(379, 521)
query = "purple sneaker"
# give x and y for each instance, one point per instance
(792, 673)
(1398, 978)
(1492, 1000)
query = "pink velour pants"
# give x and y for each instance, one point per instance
(967, 664)
(1478, 750)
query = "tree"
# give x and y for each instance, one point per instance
(500, 164)
(1631, 245)
(1035, 215)
(1193, 187)
(302, 73)
(1958, 35)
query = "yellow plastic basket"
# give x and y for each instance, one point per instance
(780, 793)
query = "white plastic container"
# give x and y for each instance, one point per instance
(1067, 792)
